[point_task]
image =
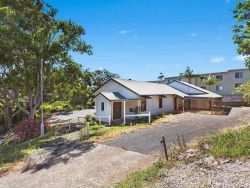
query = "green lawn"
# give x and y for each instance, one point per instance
(102, 133)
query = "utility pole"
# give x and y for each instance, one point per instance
(41, 75)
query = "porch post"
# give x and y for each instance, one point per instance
(190, 104)
(110, 114)
(183, 105)
(139, 108)
(124, 112)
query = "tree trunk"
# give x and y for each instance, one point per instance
(6, 115)
(32, 113)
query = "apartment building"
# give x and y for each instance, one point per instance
(227, 82)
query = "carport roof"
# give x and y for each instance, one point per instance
(205, 93)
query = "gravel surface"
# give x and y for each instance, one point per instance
(76, 165)
(196, 175)
(190, 125)
(72, 116)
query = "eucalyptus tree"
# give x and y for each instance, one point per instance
(31, 35)
(242, 29)
(100, 76)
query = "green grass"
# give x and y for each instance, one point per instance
(13, 151)
(140, 178)
(101, 132)
(231, 143)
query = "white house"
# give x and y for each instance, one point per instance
(119, 99)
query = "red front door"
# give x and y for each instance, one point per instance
(117, 110)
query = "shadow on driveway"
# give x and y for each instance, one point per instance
(54, 155)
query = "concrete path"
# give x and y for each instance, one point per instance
(190, 125)
(83, 165)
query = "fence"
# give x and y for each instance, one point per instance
(141, 115)
(99, 118)
(81, 118)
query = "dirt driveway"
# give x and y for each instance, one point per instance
(190, 125)
(76, 165)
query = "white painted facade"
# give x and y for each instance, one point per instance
(107, 108)
(113, 86)
(132, 101)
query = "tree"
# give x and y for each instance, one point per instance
(161, 76)
(5, 105)
(69, 83)
(30, 36)
(188, 74)
(101, 76)
(244, 90)
(209, 81)
(242, 29)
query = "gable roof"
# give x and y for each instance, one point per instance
(113, 96)
(204, 93)
(144, 88)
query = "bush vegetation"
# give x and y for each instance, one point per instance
(230, 143)
(29, 128)
(138, 178)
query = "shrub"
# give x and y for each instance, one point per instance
(79, 107)
(231, 143)
(29, 128)
(90, 117)
(59, 106)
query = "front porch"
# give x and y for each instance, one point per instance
(123, 111)
(126, 110)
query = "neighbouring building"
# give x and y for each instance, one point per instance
(227, 82)
(121, 100)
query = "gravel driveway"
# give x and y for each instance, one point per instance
(72, 116)
(190, 125)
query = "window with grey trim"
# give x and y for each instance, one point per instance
(237, 84)
(160, 102)
(239, 75)
(219, 88)
(102, 106)
(219, 77)
(143, 105)
(131, 109)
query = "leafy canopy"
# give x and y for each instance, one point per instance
(209, 81)
(242, 29)
(31, 34)
(244, 90)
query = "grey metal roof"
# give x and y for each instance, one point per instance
(113, 96)
(148, 88)
(206, 93)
